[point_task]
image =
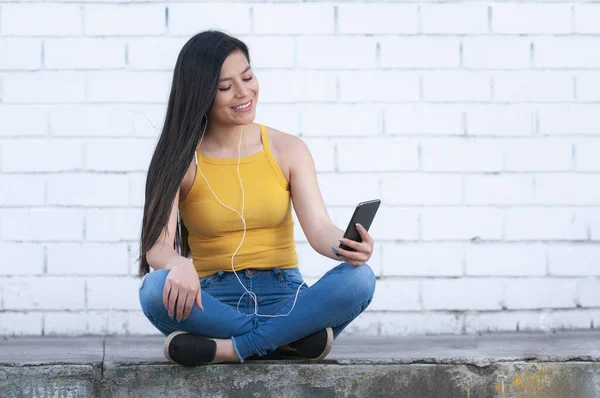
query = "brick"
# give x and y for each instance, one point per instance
(42, 225)
(314, 52)
(496, 52)
(533, 86)
(130, 323)
(137, 189)
(382, 154)
(550, 155)
(423, 259)
(505, 260)
(37, 155)
(458, 223)
(456, 86)
(393, 224)
(32, 20)
(574, 260)
(154, 53)
(271, 52)
(507, 189)
(586, 18)
(419, 52)
(588, 292)
(340, 120)
(396, 295)
(549, 293)
(84, 53)
(20, 54)
(429, 119)
(128, 86)
(569, 319)
(23, 120)
(366, 324)
(44, 87)
(124, 19)
(21, 190)
(588, 86)
(586, 155)
(21, 259)
(462, 294)
(126, 155)
(66, 323)
(531, 18)
(21, 323)
(109, 225)
(27, 293)
(301, 86)
(421, 189)
(95, 190)
(148, 120)
(505, 321)
(377, 18)
(99, 259)
(189, 19)
(379, 86)
(123, 293)
(569, 119)
(408, 324)
(323, 154)
(92, 121)
(567, 189)
(283, 117)
(566, 52)
(334, 188)
(461, 155)
(293, 19)
(543, 224)
(500, 120)
(455, 18)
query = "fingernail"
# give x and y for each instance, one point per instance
(171, 316)
(358, 225)
(342, 240)
(335, 249)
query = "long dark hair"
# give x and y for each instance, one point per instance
(193, 91)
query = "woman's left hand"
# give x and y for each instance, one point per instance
(364, 249)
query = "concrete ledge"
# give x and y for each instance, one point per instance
(499, 365)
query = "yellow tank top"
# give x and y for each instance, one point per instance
(215, 231)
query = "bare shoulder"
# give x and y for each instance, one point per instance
(287, 149)
(284, 143)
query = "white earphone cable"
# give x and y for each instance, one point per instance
(241, 215)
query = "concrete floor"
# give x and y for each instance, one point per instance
(565, 364)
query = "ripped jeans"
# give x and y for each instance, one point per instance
(333, 301)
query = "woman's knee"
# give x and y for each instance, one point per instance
(359, 281)
(151, 291)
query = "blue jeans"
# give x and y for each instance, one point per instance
(333, 301)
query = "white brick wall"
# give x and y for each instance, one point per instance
(478, 125)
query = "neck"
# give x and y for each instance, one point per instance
(226, 137)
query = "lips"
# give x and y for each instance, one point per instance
(248, 107)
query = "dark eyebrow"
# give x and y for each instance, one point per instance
(229, 78)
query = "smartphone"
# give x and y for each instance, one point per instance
(364, 215)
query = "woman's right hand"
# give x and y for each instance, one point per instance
(182, 285)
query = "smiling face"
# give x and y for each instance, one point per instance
(237, 93)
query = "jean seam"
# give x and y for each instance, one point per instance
(345, 317)
(236, 350)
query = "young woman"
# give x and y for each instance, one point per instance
(220, 189)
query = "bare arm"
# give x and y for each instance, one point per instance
(162, 255)
(308, 201)
(182, 281)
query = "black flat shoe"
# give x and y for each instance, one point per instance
(188, 349)
(314, 346)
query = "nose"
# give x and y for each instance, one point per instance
(242, 90)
